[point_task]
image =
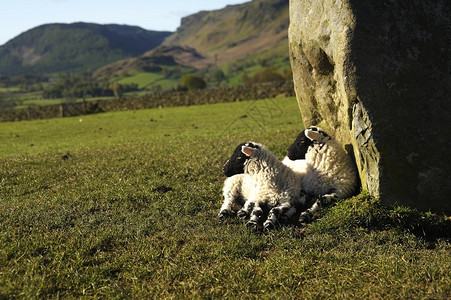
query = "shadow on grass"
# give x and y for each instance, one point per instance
(366, 212)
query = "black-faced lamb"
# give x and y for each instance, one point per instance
(258, 180)
(327, 171)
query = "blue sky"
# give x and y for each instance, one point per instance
(17, 16)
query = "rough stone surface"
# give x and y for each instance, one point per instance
(377, 74)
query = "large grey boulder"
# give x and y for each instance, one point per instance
(377, 74)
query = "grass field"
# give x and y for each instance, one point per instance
(145, 80)
(141, 79)
(9, 89)
(124, 205)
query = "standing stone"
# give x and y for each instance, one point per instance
(377, 75)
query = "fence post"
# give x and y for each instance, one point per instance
(61, 111)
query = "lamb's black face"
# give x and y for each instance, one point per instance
(299, 147)
(235, 164)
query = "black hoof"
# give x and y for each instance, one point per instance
(305, 217)
(241, 214)
(252, 224)
(268, 226)
(223, 214)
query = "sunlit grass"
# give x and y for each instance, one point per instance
(9, 89)
(147, 79)
(124, 204)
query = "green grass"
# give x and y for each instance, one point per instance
(141, 79)
(146, 79)
(166, 84)
(235, 79)
(132, 214)
(278, 61)
(41, 102)
(9, 89)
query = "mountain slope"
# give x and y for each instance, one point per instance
(236, 31)
(154, 60)
(74, 47)
(256, 29)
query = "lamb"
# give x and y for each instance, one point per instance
(297, 151)
(327, 171)
(258, 180)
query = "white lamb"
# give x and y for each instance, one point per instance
(327, 171)
(257, 180)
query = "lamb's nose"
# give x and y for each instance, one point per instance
(224, 166)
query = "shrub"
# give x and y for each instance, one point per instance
(266, 75)
(192, 82)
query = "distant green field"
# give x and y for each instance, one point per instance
(142, 79)
(132, 126)
(280, 63)
(9, 89)
(235, 79)
(124, 205)
(41, 102)
(145, 80)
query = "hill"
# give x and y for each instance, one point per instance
(226, 47)
(76, 47)
(236, 31)
(256, 30)
(153, 60)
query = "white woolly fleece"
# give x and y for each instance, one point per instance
(327, 168)
(266, 180)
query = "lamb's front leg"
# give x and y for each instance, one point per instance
(286, 208)
(307, 215)
(231, 193)
(256, 215)
(248, 207)
(275, 213)
(294, 207)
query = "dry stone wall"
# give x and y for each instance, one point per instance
(216, 95)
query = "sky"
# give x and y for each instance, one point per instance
(18, 16)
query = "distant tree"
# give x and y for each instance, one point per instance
(244, 78)
(116, 88)
(6, 104)
(165, 73)
(268, 74)
(156, 88)
(214, 76)
(81, 86)
(54, 91)
(192, 82)
(288, 74)
(219, 76)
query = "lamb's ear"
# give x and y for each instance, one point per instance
(312, 135)
(315, 134)
(249, 151)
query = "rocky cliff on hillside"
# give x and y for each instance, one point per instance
(377, 74)
(236, 31)
(251, 33)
